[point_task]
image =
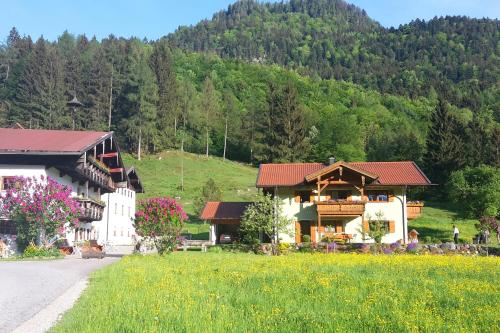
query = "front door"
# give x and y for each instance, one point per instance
(305, 229)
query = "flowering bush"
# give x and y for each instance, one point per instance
(41, 207)
(161, 220)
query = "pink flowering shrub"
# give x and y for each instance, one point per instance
(41, 207)
(160, 220)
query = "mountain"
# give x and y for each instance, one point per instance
(288, 81)
(333, 39)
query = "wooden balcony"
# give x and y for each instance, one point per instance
(414, 209)
(340, 208)
(97, 175)
(91, 210)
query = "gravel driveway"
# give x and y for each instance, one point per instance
(26, 287)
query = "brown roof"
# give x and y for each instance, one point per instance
(389, 173)
(37, 141)
(216, 210)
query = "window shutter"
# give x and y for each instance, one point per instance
(297, 197)
(392, 226)
(391, 196)
(366, 226)
(297, 232)
(339, 227)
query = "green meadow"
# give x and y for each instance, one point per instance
(225, 292)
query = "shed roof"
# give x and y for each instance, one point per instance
(388, 173)
(38, 141)
(216, 210)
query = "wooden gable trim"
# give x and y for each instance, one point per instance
(339, 166)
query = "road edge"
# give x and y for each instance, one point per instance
(52, 313)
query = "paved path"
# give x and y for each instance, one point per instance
(27, 287)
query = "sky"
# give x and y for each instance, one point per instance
(155, 18)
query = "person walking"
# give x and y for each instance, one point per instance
(455, 234)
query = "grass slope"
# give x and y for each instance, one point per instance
(161, 175)
(208, 292)
(437, 222)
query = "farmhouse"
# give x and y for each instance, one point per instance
(87, 162)
(336, 199)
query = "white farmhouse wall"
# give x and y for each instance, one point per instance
(86, 230)
(116, 226)
(392, 211)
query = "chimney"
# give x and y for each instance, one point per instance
(331, 160)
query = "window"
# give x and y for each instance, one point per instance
(128, 211)
(386, 226)
(303, 196)
(340, 194)
(8, 227)
(6, 183)
(123, 210)
(116, 208)
(377, 196)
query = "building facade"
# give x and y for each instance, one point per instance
(89, 163)
(340, 200)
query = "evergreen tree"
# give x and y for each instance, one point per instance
(445, 147)
(40, 101)
(168, 95)
(209, 106)
(140, 97)
(287, 140)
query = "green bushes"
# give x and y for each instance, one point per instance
(33, 251)
(476, 191)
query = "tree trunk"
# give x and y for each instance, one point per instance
(110, 99)
(139, 145)
(225, 142)
(206, 153)
(182, 162)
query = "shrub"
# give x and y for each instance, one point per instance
(160, 220)
(42, 208)
(265, 216)
(33, 251)
(476, 191)
(215, 249)
(306, 239)
(427, 239)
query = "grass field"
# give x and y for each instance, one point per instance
(208, 292)
(161, 175)
(437, 222)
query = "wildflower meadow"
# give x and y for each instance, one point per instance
(222, 292)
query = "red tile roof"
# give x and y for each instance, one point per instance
(216, 210)
(389, 173)
(28, 141)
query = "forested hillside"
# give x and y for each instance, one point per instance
(333, 39)
(300, 80)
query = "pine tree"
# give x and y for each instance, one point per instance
(445, 146)
(287, 139)
(209, 106)
(40, 100)
(140, 97)
(168, 95)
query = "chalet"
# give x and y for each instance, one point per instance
(87, 162)
(337, 199)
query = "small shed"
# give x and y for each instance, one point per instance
(224, 218)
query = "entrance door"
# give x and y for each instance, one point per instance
(305, 229)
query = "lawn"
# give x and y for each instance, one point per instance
(161, 175)
(209, 292)
(437, 222)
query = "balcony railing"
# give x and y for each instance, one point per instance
(96, 176)
(340, 208)
(91, 210)
(414, 209)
